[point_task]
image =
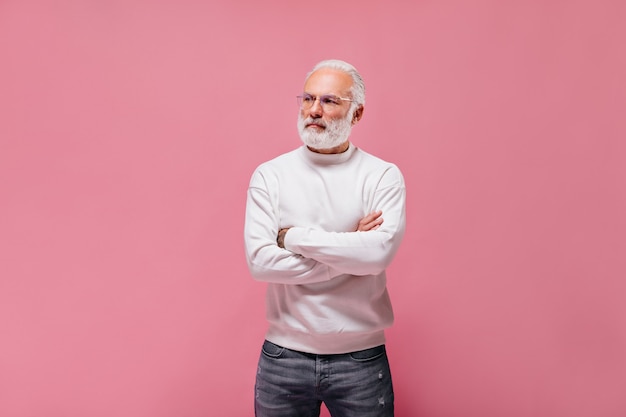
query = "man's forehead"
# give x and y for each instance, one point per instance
(329, 80)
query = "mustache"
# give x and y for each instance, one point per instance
(311, 121)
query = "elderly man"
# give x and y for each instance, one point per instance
(314, 231)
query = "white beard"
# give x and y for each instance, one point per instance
(335, 133)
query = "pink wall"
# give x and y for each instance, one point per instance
(128, 133)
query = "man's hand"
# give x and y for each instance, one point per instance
(280, 239)
(370, 222)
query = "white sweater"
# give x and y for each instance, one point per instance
(326, 290)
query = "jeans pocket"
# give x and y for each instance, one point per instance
(368, 354)
(272, 350)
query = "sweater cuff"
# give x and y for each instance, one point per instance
(291, 237)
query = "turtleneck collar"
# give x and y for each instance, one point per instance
(327, 158)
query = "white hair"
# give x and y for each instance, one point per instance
(358, 86)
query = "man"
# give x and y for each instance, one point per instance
(314, 231)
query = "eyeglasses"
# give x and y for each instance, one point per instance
(327, 101)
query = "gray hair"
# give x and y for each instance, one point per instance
(358, 86)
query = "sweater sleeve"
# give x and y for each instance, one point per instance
(359, 253)
(266, 260)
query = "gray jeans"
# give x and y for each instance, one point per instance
(295, 384)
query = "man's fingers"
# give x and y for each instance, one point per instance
(370, 222)
(373, 215)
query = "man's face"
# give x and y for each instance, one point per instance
(325, 127)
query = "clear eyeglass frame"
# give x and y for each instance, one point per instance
(327, 101)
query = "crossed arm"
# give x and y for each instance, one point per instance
(370, 222)
(315, 255)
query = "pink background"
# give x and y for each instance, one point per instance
(129, 131)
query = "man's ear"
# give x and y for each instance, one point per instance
(358, 113)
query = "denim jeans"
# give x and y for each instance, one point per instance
(294, 384)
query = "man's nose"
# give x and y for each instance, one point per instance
(316, 109)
